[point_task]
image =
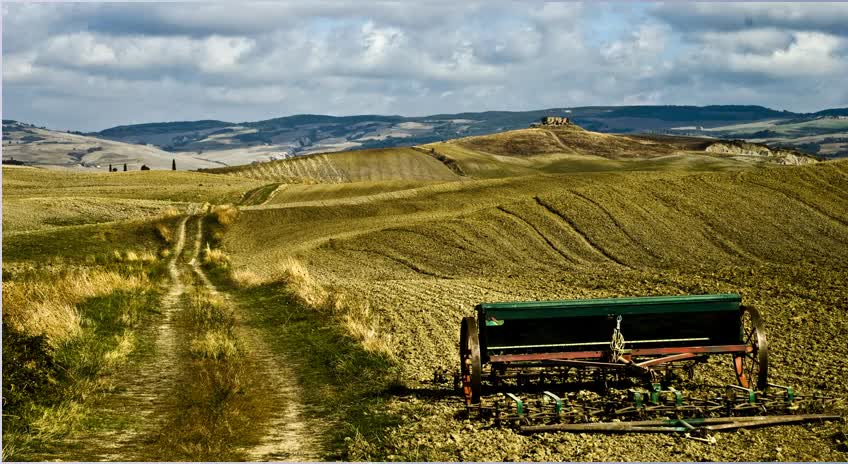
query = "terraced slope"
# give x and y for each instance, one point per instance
(387, 164)
(776, 235)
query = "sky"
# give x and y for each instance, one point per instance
(90, 66)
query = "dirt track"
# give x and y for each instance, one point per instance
(288, 436)
(127, 420)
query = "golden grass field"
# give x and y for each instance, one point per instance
(400, 244)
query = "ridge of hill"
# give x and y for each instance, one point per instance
(535, 150)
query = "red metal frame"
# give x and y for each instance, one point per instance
(675, 354)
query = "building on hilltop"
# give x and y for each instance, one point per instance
(554, 121)
(551, 121)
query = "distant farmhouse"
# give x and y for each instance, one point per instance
(551, 121)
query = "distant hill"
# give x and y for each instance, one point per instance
(542, 149)
(35, 146)
(277, 138)
(222, 143)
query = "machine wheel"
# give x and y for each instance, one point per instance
(752, 367)
(469, 358)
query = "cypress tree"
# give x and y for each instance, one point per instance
(173, 165)
(110, 168)
(125, 167)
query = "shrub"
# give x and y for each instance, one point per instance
(225, 214)
(215, 256)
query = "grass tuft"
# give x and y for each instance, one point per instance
(245, 278)
(214, 344)
(215, 256)
(225, 214)
(355, 314)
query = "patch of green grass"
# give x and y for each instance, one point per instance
(341, 381)
(258, 195)
(46, 390)
(75, 244)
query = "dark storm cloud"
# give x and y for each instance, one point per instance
(90, 66)
(728, 16)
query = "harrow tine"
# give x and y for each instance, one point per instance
(670, 426)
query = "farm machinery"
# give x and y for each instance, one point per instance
(611, 365)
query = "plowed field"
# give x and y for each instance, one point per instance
(778, 236)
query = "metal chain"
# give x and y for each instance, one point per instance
(617, 342)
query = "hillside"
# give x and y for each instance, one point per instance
(354, 166)
(37, 199)
(36, 146)
(543, 149)
(244, 142)
(422, 260)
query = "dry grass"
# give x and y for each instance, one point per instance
(225, 214)
(363, 324)
(164, 224)
(45, 306)
(354, 313)
(214, 344)
(300, 282)
(215, 256)
(389, 164)
(245, 278)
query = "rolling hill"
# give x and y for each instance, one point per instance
(544, 149)
(37, 146)
(206, 143)
(421, 259)
(240, 143)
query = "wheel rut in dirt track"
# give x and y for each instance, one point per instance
(288, 436)
(140, 402)
(137, 403)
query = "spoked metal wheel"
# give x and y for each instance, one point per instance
(752, 367)
(469, 358)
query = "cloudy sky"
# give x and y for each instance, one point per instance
(89, 66)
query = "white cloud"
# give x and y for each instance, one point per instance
(809, 54)
(253, 61)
